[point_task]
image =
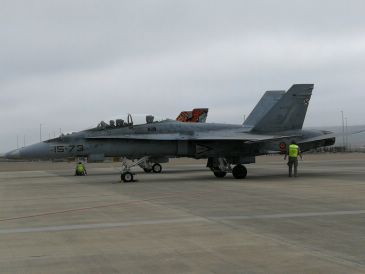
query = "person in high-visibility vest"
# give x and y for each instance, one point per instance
(293, 153)
(80, 169)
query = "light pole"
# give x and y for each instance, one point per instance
(347, 134)
(40, 132)
(343, 130)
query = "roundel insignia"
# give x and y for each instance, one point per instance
(282, 146)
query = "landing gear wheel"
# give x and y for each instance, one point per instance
(156, 168)
(147, 170)
(220, 174)
(239, 172)
(127, 177)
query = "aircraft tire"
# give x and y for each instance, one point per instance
(147, 170)
(156, 168)
(239, 172)
(127, 177)
(220, 174)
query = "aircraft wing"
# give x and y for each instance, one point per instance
(246, 137)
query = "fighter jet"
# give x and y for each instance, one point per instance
(197, 115)
(227, 147)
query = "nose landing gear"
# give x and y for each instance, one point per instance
(128, 176)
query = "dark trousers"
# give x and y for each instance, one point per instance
(78, 173)
(293, 161)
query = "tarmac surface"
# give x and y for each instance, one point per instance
(184, 220)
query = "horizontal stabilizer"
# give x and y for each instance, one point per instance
(330, 135)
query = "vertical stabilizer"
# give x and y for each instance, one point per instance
(197, 115)
(200, 115)
(268, 100)
(289, 112)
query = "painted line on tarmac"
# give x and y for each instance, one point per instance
(125, 203)
(98, 226)
(288, 215)
(175, 221)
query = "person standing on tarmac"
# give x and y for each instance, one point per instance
(80, 170)
(293, 153)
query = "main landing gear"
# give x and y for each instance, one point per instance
(220, 168)
(239, 172)
(127, 175)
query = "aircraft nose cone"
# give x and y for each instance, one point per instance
(14, 154)
(36, 151)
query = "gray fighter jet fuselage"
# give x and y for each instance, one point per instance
(222, 144)
(167, 138)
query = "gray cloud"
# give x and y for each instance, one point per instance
(69, 64)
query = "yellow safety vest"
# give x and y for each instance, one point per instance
(293, 151)
(80, 168)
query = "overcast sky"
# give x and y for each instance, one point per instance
(70, 64)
